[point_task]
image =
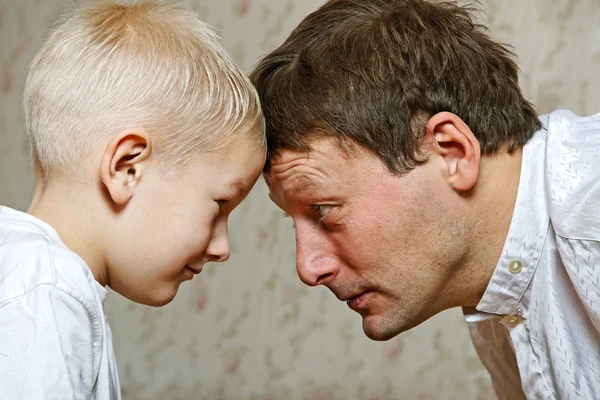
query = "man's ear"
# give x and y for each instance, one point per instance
(123, 163)
(458, 146)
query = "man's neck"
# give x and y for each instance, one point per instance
(493, 207)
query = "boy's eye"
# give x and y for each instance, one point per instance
(322, 210)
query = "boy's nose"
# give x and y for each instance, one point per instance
(218, 249)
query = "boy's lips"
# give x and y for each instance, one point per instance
(195, 271)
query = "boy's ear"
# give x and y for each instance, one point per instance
(123, 163)
(457, 145)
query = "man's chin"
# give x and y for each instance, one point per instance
(378, 328)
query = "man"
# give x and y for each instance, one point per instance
(420, 179)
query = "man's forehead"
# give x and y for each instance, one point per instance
(327, 163)
(287, 158)
(298, 166)
(294, 174)
(297, 178)
(323, 153)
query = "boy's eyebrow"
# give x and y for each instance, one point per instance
(238, 185)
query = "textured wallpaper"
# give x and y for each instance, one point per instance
(248, 329)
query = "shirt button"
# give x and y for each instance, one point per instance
(510, 319)
(515, 266)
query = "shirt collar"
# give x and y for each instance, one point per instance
(23, 221)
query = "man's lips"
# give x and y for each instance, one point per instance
(355, 301)
(348, 297)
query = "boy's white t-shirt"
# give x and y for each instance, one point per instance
(55, 342)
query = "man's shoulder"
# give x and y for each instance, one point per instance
(568, 130)
(573, 173)
(30, 259)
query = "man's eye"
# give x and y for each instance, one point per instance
(322, 210)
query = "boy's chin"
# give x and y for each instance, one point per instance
(159, 302)
(157, 298)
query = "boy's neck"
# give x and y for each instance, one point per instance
(59, 206)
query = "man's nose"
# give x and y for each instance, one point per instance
(315, 262)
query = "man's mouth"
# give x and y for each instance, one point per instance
(357, 302)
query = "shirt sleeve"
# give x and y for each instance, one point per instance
(581, 259)
(46, 346)
(573, 175)
(574, 202)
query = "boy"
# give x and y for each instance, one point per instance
(145, 136)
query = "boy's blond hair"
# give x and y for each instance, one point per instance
(114, 65)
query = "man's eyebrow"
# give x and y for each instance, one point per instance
(274, 202)
(302, 185)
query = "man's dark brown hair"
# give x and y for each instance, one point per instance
(374, 71)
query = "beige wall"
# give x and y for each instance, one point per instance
(248, 329)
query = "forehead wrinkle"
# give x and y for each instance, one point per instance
(296, 167)
(286, 162)
(299, 173)
(289, 160)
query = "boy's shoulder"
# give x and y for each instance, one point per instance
(32, 257)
